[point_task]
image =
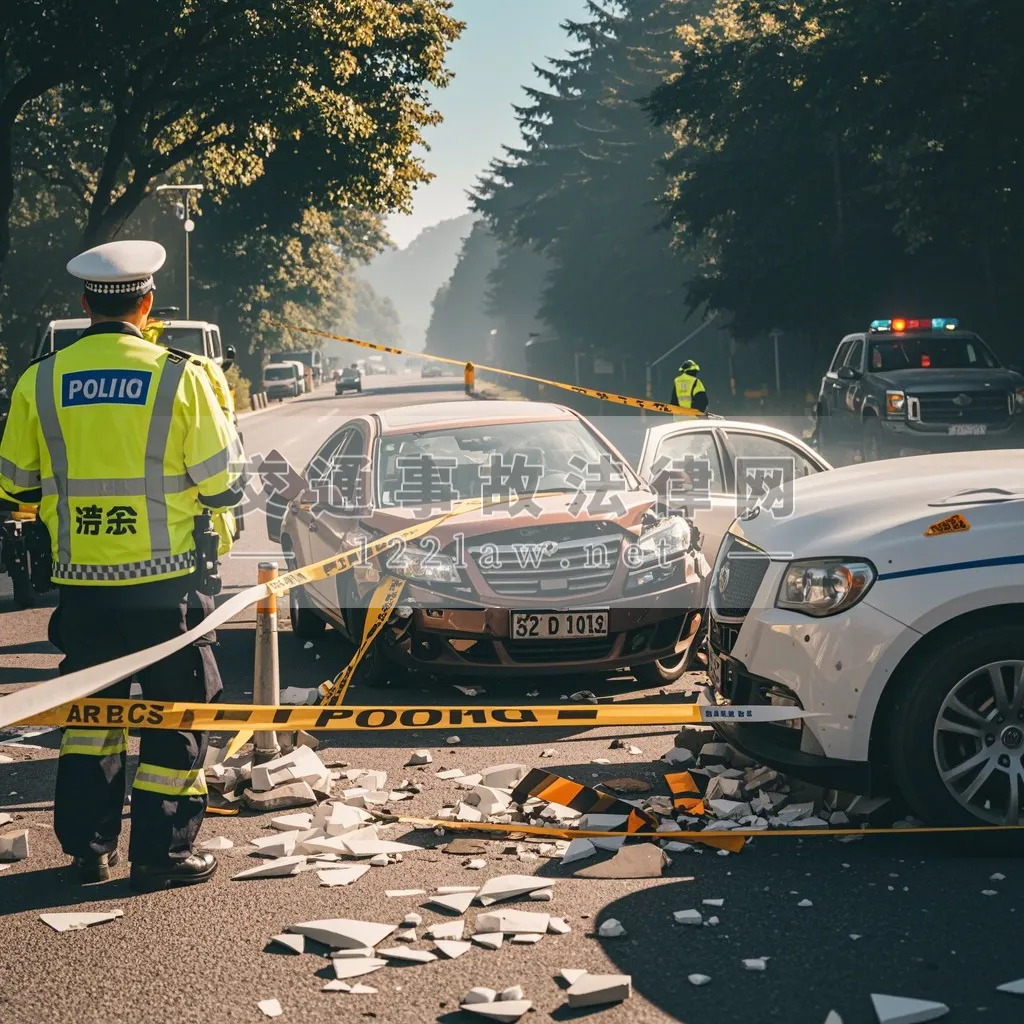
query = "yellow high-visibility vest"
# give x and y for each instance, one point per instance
(686, 387)
(127, 442)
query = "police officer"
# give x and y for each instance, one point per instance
(688, 389)
(122, 443)
(469, 377)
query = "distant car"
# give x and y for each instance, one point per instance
(432, 370)
(349, 379)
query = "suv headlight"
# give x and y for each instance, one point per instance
(895, 402)
(824, 586)
(422, 565)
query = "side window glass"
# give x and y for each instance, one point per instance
(218, 352)
(754, 449)
(855, 354)
(840, 355)
(698, 445)
(336, 471)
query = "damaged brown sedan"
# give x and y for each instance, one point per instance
(569, 564)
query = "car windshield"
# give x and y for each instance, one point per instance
(188, 339)
(456, 463)
(279, 373)
(931, 352)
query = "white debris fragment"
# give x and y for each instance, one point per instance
(5, 819)
(476, 864)
(489, 940)
(282, 867)
(900, 1010)
(997, 877)
(691, 917)
(515, 992)
(451, 773)
(713, 903)
(342, 876)
(805, 903)
(358, 989)
(698, 979)
(14, 846)
(503, 776)
(479, 995)
(833, 1018)
(372, 847)
(570, 975)
(543, 895)
(598, 989)
(452, 948)
(989, 892)
(77, 922)
(527, 938)
(293, 943)
(419, 757)
(558, 926)
(758, 963)
(356, 968)
(299, 695)
(445, 930)
(578, 849)
(838, 819)
(457, 903)
(452, 740)
(300, 765)
(271, 1007)
(361, 951)
(600, 760)
(512, 921)
(413, 956)
(507, 886)
(216, 843)
(611, 929)
(450, 890)
(712, 922)
(344, 933)
(470, 691)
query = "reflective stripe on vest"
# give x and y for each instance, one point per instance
(27, 479)
(94, 742)
(163, 566)
(170, 781)
(155, 485)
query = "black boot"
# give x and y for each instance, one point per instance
(199, 867)
(95, 867)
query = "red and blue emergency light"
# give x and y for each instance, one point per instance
(898, 325)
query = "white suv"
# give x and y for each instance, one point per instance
(892, 602)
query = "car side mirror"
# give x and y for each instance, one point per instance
(848, 373)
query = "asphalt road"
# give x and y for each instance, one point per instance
(903, 915)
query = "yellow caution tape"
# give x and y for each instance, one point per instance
(143, 714)
(382, 604)
(605, 396)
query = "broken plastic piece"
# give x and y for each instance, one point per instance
(283, 867)
(489, 940)
(216, 844)
(452, 948)
(507, 886)
(698, 979)
(342, 876)
(597, 989)
(900, 1010)
(415, 956)
(76, 922)
(457, 903)
(270, 1008)
(343, 933)
(507, 1011)
(479, 995)
(611, 929)
(293, 943)
(1015, 988)
(356, 967)
(14, 846)
(692, 917)
(512, 921)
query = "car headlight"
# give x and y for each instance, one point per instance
(425, 566)
(825, 586)
(895, 402)
(662, 543)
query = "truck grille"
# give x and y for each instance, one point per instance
(572, 560)
(722, 635)
(737, 577)
(989, 407)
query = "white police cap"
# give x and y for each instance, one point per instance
(119, 268)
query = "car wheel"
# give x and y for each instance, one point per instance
(875, 445)
(373, 670)
(306, 624)
(956, 730)
(670, 670)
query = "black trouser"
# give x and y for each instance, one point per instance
(97, 624)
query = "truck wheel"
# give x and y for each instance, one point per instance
(875, 446)
(956, 731)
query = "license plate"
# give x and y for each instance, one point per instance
(714, 669)
(968, 429)
(558, 625)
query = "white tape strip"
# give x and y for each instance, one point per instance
(34, 700)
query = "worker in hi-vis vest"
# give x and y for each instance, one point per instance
(688, 391)
(124, 446)
(469, 377)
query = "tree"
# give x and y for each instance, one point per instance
(224, 86)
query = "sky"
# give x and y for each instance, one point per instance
(492, 61)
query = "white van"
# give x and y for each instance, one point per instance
(283, 380)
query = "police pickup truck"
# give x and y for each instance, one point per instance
(921, 385)
(24, 544)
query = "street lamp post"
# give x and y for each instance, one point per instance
(189, 226)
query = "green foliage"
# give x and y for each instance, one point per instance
(837, 162)
(240, 387)
(300, 117)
